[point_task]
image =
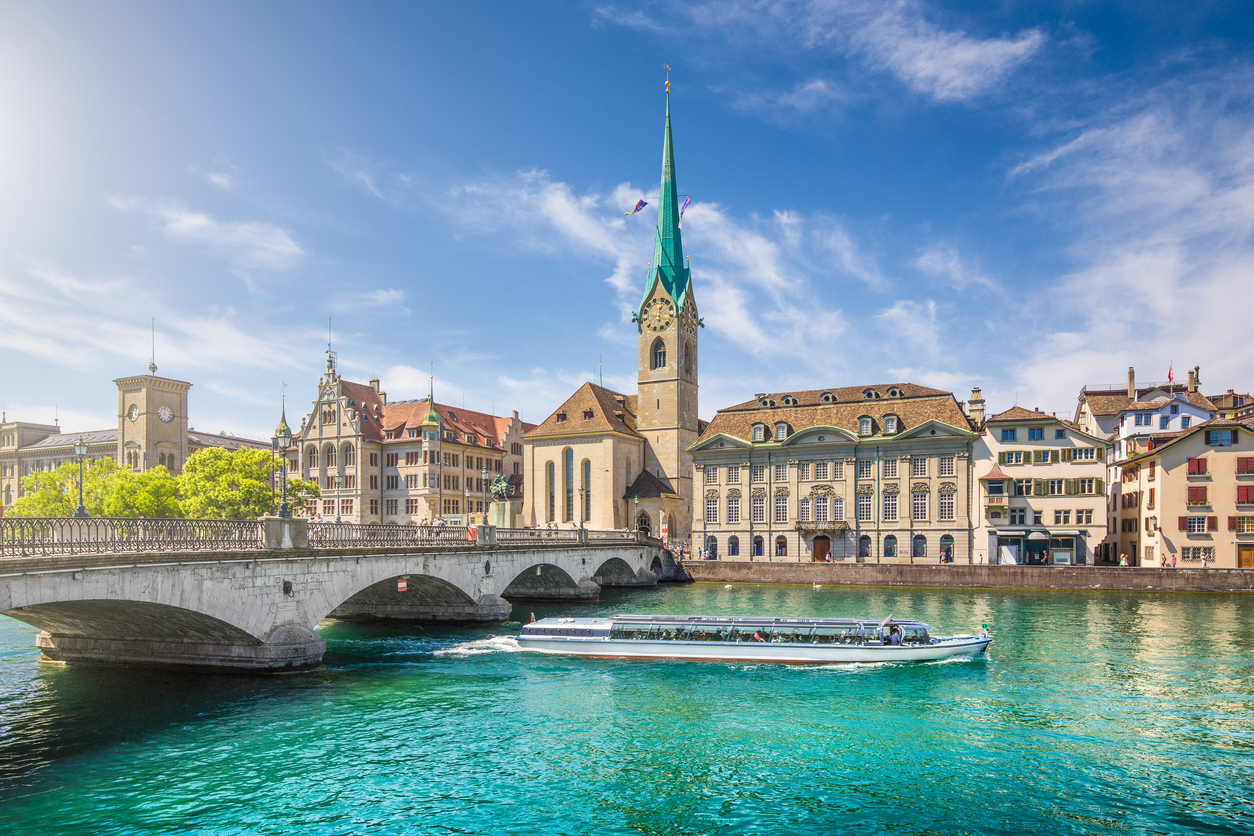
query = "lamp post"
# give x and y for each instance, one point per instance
(283, 441)
(635, 520)
(80, 450)
(339, 485)
(581, 491)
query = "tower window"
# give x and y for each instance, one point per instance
(659, 354)
(687, 358)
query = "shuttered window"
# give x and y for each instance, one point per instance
(1197, 494)
(1197, 466)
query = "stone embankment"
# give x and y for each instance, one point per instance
(977, 576)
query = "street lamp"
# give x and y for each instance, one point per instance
(283, 441)
(581, 491)
(80, 450)
(339, 485)
(636, 518)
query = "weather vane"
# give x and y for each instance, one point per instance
(668, 78)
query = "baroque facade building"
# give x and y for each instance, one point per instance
(605, 459)
(878, 473)
(1043, 490)
(1191, 499)
(401, 462)
(152, 431)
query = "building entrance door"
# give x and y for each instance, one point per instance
(1245, 557)
(822, 548)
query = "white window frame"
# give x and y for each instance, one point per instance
(863, 506)
(889, 505)
(918, 466)
(864, 426)
(733, 510)
(781, 509)
(821, 509)
(946, 505)
(757, 473)
(803, 471)
(803, 510)
(1197, 525)
(946, 466)
(838, 509)
(781, 473)
(889, 467)
(864, 468)
(820, 471)
(711, 475)
(711, 509)
(757, 509)
(918, 506)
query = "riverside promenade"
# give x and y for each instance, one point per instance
(1115, 578)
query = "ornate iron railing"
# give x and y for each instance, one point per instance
(612, 535)
(42, 536)
(356, 535)
(533, 535)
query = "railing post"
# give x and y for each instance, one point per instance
(486, 535)
(284, 533)
(583, 536)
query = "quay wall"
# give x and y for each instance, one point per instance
(975, 576)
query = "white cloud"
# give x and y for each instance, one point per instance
(804, 98)
(943, 262)
(247, 244)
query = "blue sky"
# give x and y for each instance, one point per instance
(1024, 197)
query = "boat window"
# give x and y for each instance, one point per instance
(749, 633)
(630, 631)
(871, 634)
(668, 632)
(847, 634)
(793, 634)
(914, 635)
(709, 633)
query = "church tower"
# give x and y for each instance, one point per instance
(667, 327)
(152, 421)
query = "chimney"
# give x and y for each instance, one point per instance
(1197, 375)
(975, 407)
(1192, 381)
(374, 383)
(1131, 383)
(515, 414)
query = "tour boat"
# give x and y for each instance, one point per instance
(793, 641)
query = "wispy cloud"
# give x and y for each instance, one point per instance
(943, 263)
(246, 244)
(805, 98)
(222, 174)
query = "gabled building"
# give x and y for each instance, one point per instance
(610, 460)
(1043, 490)
(1191, 499)
(877, 473)
(401, 462)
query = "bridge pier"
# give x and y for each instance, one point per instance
(291, 648)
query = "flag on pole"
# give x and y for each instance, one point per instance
(682, 207)
(639, 205)
(1170, 376)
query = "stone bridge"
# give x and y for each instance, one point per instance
(248, 595)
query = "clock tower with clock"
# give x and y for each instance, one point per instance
(152, 421)
(667, 380)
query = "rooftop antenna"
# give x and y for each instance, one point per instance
(600, 376)
(56, 414)
(152, 362)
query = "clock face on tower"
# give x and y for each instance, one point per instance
(689, 321)
(133, 412)
(165, 413)
(658, 314)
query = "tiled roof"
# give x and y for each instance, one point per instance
(224, 441)
(1189, 433)
(918, 405)
(67, 439)
(591, 409)
(1194, 398)
(648, 486)
(1018, 413)
(845, 394)
(994, 474)
(1106, 404)
(369, 406)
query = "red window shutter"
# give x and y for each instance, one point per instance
(1212, 523)
(1206, 434)
(1184, 523)
(1192, 466)
(1201, 465)
(1201, 494)
(1243, 493)
(1151, 496)
(1147, 528)
(1232, 523)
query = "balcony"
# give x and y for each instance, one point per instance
(995, 501)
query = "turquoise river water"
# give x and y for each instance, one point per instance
(1092, 713)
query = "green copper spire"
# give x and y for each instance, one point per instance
(432, 417)
(668, 249)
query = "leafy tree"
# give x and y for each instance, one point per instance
(235, 485)
(54, 493)
(153, 493)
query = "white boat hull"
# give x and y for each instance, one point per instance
(785, 654)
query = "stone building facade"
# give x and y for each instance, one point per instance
(1042, 491)
(401, 462)
(1191, 498)
(152, 431)
(878, 473)
(606, 459)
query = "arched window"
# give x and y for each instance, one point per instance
(659, 353)
(864, 546)
(890, 546)
(587, 490)
(328, 452)
(311, 457)
(920, 546)
(733, 546)
(757, 546)
(864, 426)
(350, 455)
(781, 432)
(947, 549)
(759, 432)
(687, 357)
(781, 546)
(711, 546)
(644, 523)
(550, 489)
(568, 471)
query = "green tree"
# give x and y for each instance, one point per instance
(235, 485)
(153, 493)
(54, 493)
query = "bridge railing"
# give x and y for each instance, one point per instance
(43, 536)
(535, 535)
(355, 535)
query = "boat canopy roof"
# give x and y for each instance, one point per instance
(757, 619)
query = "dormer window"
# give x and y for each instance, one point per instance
(789, 400)
(890, 423)
(561, 416)
(413, 432)
(864, 426)
(587, 415)
(894, 392)
(767, 402)
(781, 432)
(827, 397)
(870, 394)
(759, 432)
